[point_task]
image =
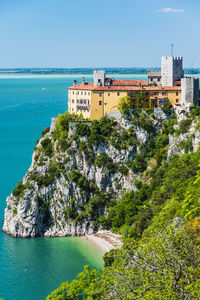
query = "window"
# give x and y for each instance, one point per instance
(158, 79)
(99, 94)
(84, 101)
(133, 93)
(164, 93)
(81, 93)
(156, 93)
(147, 93)
(77, 101)
(151, 79)
(176, 93)
(118, 93)
(88, 93)
(73, 92)
(176, 100)
(77, 93)
(85, 93)
(72, 109)
(72, 100)
(108, 94)
(100, 102)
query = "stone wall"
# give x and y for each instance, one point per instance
(189, 91)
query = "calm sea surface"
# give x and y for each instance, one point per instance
(32, 268)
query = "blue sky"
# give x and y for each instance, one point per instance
(91, 33)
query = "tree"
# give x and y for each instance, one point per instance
(125, 105)
(139, 99)
(162, 266)
(84, 287)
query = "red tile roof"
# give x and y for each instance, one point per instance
(87, 86)
(123, 87)
(129, 82)
(137, 88)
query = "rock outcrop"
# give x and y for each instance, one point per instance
(68, 185)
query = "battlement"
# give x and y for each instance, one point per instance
(177, 58)
(171, 69)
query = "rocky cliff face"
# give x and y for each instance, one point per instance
(75, 174)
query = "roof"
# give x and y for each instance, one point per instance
(129, 82)
(124, 85)
(83, 86)
(137, 88)
(154, 73)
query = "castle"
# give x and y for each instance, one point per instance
(96, 99)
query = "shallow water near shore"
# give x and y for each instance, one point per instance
(32, 268)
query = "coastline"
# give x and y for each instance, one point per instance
(104, 240)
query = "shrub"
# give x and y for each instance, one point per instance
(82, 129)
(161, 141)
(45, 131)
(125, 105)
(47, 147)
(103, 160)
(19, 190)
(184, 125)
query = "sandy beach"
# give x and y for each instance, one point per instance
(105, 240)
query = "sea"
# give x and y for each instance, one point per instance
(30, 269)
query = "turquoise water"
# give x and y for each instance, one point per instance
(32, 268)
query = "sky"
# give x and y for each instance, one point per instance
(91, 33)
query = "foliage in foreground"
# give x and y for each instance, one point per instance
(164, 265)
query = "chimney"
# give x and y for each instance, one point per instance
(83, 80)
(75, 83)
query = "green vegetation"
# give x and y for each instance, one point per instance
(47, 147)
(158, 220)
(139, 99)
(125, 105)
(20, 188)
(46, 130)
(164, 265)
(184, 126)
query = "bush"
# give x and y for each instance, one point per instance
(19, 190)
(47, 147)
(45, 131)
(184, 125)
(161, 141)
(82, 129)
(103, 160)
(125, 105)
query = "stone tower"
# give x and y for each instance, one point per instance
(99, 78)
(189, 91)
(171, 70)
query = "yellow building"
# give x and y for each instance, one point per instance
(95, 100)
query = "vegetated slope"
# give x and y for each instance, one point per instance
(160, 224)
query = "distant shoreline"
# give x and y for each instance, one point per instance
(85, 71)
(74, 75)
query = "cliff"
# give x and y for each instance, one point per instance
(82, 169)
